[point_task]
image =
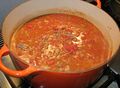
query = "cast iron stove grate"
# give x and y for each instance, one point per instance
(109, 79)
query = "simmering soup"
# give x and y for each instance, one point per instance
(61, 43)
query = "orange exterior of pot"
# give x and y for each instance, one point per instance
(58, 80)
(46, 79)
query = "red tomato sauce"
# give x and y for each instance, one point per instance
(60, 42)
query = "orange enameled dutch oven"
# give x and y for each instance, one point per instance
(47, 79)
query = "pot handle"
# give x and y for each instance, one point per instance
(98, 3)
(22, 73)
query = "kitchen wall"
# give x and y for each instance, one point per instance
(6, 6)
